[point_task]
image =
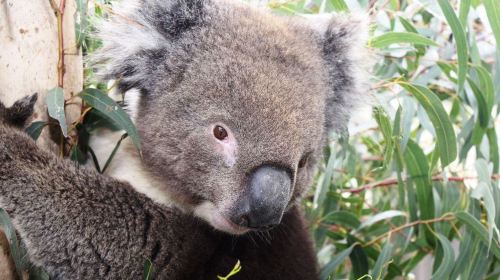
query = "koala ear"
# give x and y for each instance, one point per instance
(140, 35)
(343, 39)
(20, 112)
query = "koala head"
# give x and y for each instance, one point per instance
(233, 104)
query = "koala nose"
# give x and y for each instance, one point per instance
(267, 197)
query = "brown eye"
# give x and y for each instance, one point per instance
(220, 132)
(303, 160)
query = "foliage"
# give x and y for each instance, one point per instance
(423, 178)
(418, 178)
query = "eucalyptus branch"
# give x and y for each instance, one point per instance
(446, 217)
(394, 181)
(59, 11)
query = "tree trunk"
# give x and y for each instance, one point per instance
(29, 57)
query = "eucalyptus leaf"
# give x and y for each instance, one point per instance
(460, 39)
(35, 129)
(445, 134)
(55, 106)
(446, 266)
(103, 103)
(387, 39)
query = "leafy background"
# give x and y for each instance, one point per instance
(418, 175)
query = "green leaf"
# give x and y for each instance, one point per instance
(339, 5)
(493, 12)
(487, 87)
(55, 106)
(494, 150)
(418, 168)
(382, 261)
(103, 103)
(343, 218)
(359, 261)
(446, 138)
(386, 39)
(482, 106)
(466, 246)
(385, 127)
(380, 217)
(460, 39)
(35, 129)
(112, 155)
(236, 269)
(464, 11)
(15, 250)
(337, 260)
(483, 191)
(446, 266)
(77, 155)
(148, 270)
(323, 186)
(479, 231)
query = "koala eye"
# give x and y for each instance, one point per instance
(303, 160)
(220, 132)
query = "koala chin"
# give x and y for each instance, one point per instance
(233, 106)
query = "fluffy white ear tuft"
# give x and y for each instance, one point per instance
(140, 35)
(344, 39)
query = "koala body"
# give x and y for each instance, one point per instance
(79, 224)
(233, 106)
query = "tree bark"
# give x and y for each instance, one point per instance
(29, 57)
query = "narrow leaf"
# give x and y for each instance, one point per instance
(10, 233)
(464, 11)
(55, 106)
(337, 260)
(103, 103)
(343, 218)
(380, 217)
(35, 129)
(446, 138)
(460, 39)
(446, 266)
(479, 231)
(339, 5)
(493, 12)
(418, 168)
(382, 261)
(386, 39)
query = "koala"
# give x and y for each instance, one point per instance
(79, 224)
(233, 106)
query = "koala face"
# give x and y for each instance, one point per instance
(234, 104)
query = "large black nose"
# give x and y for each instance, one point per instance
(268, 194)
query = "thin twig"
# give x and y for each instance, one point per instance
(394, 181)
(59, 12)
(446, 217)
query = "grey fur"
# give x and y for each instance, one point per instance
(279, 85)
(78, 224)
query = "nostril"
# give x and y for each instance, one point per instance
(243, 220)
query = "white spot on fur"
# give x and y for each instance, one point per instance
(132, 100)
(211, 214)
(354, 28)
(127, 166)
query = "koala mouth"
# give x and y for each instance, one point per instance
(211, 214)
